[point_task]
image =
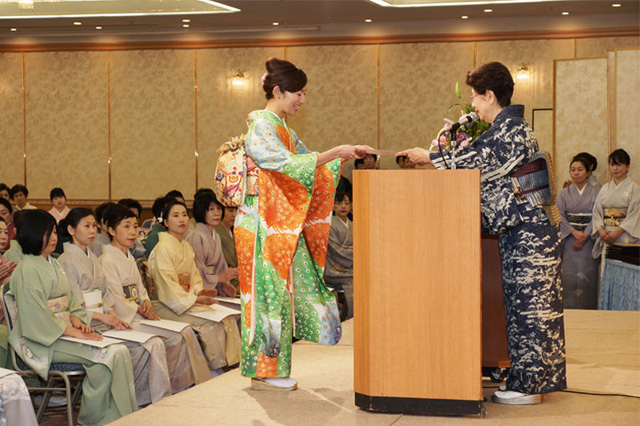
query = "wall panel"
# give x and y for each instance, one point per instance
(341, 98)
(627, 106)
(581, 122)
(67, 124)
(152, 123)
(417, 86)
(11, 119)
(598, 46)
(223, 107)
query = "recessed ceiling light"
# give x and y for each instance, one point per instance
(275, 24)
(185, 25)
(464, 17)
(616, 5)
(565, 13)
(77, 23)
(14, 29)
(98, 28)
(488, 10)
(186, 20)
(368, 20)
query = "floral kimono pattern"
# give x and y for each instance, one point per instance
(530, 254)
(281, 241)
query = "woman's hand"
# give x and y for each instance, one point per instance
(206, 296)
(113, 321)
(147, 311)
(417, 156)
(76, 323)
(6, 269)
(227, 275)
(577, 246)
(349, 152)
(227, 289)
(79, 334)
(613, 236)
(580, 236)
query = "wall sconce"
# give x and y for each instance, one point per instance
(25, 4)
(238, 79)
(523, 73)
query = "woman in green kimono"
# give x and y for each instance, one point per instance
(48, 310)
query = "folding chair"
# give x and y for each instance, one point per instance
(65, 371)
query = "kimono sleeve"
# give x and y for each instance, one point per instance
(631, 223)
(198, 244)
(339, 255)
(122, 307)
(37, 321)
(597, 218)
(196, 280)
(73, 275)
(469, 157)
(165, 276)
(565, 227)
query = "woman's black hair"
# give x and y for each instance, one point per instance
(4, 187)
(201, 206)
(73, 219)
(340, 196)
(495, 77)
(130, 203)
(174, 193)
(283, 74)
(6, 203)
(35, 230)
(116, 214)
(593, 161)
(619, 156)
(99, 211)
(18, 188)
(582, 160)
(56, 192)
(158, 206)
(167, 209)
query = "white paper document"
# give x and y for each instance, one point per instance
(213, 313)
(233, 300)
(106, 341)
(129, 335)
(166, 324)
(93, 300)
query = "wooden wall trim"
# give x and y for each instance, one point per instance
(319, 41)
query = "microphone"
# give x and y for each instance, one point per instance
(472, 117)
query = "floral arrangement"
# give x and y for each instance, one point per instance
(466, 134)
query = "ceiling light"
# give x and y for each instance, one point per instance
(185, 25)
(14, 29)
(98, 28)
(368, 20)
(25, 4)
(77, 23)
(616, 5)
(440, 3)
(565, 13)
(464, 17)
(488, 10)
(186, 20)
(275, 24)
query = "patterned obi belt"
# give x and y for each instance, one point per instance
(579, 221)
(60, 308)
(131, 293)
(531, 183)
(614, 217)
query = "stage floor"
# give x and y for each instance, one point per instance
(603, 356)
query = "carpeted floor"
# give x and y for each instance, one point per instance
(603, 353)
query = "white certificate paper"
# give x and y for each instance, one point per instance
(129, 335)
(97, 343)
(166, 324)
(213, 313)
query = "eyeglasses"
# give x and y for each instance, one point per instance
(472, 97)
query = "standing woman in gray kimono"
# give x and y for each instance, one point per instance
(579, 269)
(48, 310)
(208, 212)
(86, 277)
(529, 244)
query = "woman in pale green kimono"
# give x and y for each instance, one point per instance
(48, 310)
(181, 290)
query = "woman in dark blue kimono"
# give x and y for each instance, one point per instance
(529, 243)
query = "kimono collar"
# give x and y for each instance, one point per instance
(74, 249)
(509, 112)
(115, 251)
(202, 227)
(167, 238)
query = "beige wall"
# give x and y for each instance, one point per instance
(142, 109)
(626, 126)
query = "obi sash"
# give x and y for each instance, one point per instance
(93, 300)
(185, 281)
(579, 221)
(60, 308)
(131, 293)
(614, 217)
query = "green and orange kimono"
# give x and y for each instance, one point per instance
(281, 239)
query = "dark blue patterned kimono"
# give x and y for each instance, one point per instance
(530, 252)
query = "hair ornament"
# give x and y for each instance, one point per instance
(264, 77)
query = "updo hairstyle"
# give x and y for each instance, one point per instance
(284, 74)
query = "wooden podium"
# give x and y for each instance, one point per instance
(417, 292)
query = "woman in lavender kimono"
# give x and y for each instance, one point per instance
(616, 212)
(579, 269)
(529, 243)
(208, 212)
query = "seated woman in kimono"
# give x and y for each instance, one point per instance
(579, 270)
(616, 212)
(338, 269)
(208, 212)
(184, 358)
(180, 290)
(48, 310)
(227, 239)
(85, 275)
